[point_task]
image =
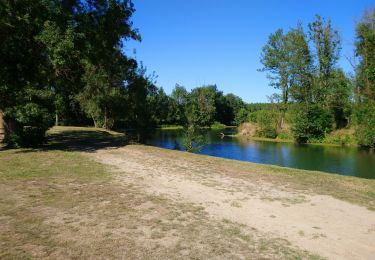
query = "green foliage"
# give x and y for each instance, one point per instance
(193, 140)
(267, 122)
(338, 98)
(365, 50)
(218, 125)
(285, 135)
(341, 137)
(365, 81)
(365, 119)
(201, 107)
(29, 124)
(241, 116)
(327, 45)
(311, 123)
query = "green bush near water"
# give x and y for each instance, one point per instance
(365, 117)
(311, 123)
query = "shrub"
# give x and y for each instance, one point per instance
(311, 122)
(284, 135)
(365, 119)
(266, 121)
(31, 122)
(193, 140)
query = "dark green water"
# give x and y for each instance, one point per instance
(350, 161)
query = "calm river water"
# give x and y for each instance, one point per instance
(340, 160)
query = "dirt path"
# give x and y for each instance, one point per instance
(319, 224)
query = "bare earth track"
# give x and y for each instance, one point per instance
(319, 224)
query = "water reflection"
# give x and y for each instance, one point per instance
(342, 160)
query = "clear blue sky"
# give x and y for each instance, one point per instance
(196, 42)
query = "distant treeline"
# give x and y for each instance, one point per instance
(62, 62)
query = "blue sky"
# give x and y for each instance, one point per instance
(197, 42)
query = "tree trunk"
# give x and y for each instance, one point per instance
(56, 119)
(105, 126)
(95, 123)
(2, 127)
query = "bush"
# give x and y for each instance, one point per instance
(365, 119)
(31, 122)
(284, 135)
(266, 121)
(311, 122)
(193, 140)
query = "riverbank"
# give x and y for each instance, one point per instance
(88, 194)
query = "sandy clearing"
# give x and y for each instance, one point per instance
(320, 224)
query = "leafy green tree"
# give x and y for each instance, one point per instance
(339, 98)
(201, 108)
(241, 116)
(327, 47)
(300, 66)
(365, 50)
(233, 105)
(179, 98)
(275, 59)
(365, 78)
(161, 104)
(24, 71)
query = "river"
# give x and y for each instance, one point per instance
(350, 161)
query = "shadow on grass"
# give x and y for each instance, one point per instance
(84, 141)
(78, 140)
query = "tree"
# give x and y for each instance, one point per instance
(365, 50)
(275, 60)
(179, 98)
(24, 70)
(300, 66)
(365, 108)
(339, 98)
(63, 56)
(201, 108)
(327, 45)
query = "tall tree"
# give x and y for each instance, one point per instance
(201, 106)
(327, 46)
(365, 109)
(365, 49)
(275, 60)
(300, 65)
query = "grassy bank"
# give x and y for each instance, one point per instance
(341, 137)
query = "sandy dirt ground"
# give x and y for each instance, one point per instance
(319, 224)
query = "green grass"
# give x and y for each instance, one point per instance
(170, 127)
(20, 163)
